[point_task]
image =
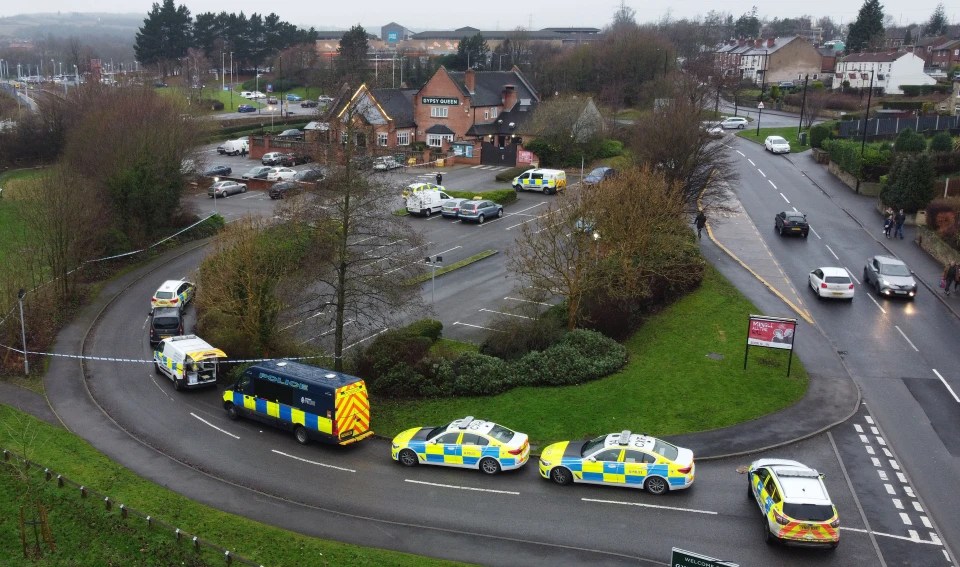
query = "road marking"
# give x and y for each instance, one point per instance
(868, 419)
(462, 487)
(870, 450)
(863, 439)
(876, 461)
(909, 491)
(507, 314)
(857, 428)
(832, 253)
(949, 389)
(785, 198)
(914, 536)
(522, 223)
(904, 335)
(774, 186)
(751, 162)
(897, 504)
(162, 390)
(926, 522)
(883, 474)
(894, 465)
(889, 489)
(384, 330)
(529, 301)
(762, 173)
(301, 459)
(875, 431)
(694, 510)
(887, 452)
(877, 304)
(880, 440)
(477, 327)
(905, 519)
(851, 275)
(741, 153)
(900, 537)
(902, 477)
(917, 507)
(214, 426)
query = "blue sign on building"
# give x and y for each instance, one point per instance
(392, 37)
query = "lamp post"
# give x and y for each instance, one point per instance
(759, 114)
(434, 262)
(215, 181)
(223, 77)
(231, 79)
(256, 71)
(501, 59)
(866, 120)
(23, 332)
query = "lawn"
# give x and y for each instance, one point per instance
(12, 228)
(86, 534)
(788, 132)
(669, 386)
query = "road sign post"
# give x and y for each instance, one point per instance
(759, 114)
(681, 558)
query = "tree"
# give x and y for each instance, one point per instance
(748, 25)
(909, 141)
(941, 142)
(907, 37)
(866, 32)
(814, 105)
(566, 127)
(472, 53)
(909, 185)
(937, 25)
(830, 29)
(624, 18)
(352, 54)
(164, 37)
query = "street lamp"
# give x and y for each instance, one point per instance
(759, 113)
(215, 181)
(23, 332)
(434, 262)
(231, 79)
(501, 59)
(271, 109)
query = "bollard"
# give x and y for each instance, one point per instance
(149, 520)
(47, 475)
(107, 503)
(196, 543)
(123, 511)
(83, 492)
(227, 557)
(59, 481)
(177, 532)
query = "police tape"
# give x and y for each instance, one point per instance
(151, 361)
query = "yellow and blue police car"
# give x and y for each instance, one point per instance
(173, 293)
(466, 443)
(794, 503)
(620, 459)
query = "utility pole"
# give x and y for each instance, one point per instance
(803, 103)
(863, 141)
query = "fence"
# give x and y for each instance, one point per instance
(126, 512)
(890, 127)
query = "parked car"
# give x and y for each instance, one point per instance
(831, 282)
(599, 174)
(271, 158)
(294, 98)
(281, 174)
(791, 222)
(312, 174)
(225, 188)
(173, 293)
(291, 134)
(283, 189)
(290, 160)
(466, 443)
(258, 172)
(324, 99)
(218, 170)
(734, 122)
(257, 94)
(309, 104)
(386, 163)
(451, 207)
(246, 108)
(777, 145)
(246, 94)
(272, 100)
(479, 211)
(890, 277)
(165, 322)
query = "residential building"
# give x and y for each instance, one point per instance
(945, 55)
(727, 56)
(781, 59)
(890, 71)
(382, 118)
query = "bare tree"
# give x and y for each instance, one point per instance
(815, 103)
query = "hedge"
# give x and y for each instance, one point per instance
(874, 162)
(903, 104)
(916, 90)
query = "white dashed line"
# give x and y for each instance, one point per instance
(894, 465)
(864, 440)
(762, 173)
(901, 477)
(881, 441)
(214, 426)
(774, 186)
(909, 491)
(785, 198)
(868, 419)
(832, 253)
(281, 453)
(890, 490)
(914, 536)
(870, 450)
(694, 510)
(741, 153)
(917, 507)
(887, 452)
(507, 314)
(949, 389)
(883, 474)
(751, 162)
(856, 426)
(529, 301)
(858, 283)
(880, 307)
(876, 461)
(875, 431)
(905, 519)
(897, 504)
(462, 487)
(904, 335)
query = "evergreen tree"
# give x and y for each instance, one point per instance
(867, 30)
(907, 37)
(909, 141)
(353, 53)
(910, 183)
(938, 22)
(748, 25)
(164, 37)
(472, 53)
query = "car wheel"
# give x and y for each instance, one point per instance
(232, 412)
(561, 475)
(243, 189)
(656, 485)
(301, 434)
(740, 127)
(806, 234)
(768, 537)
(489, 466)
(156, 368)
(833, 546)
(408, 458)
(517, 188)
(426, 212)
(480, 219)
(500, 214)
(749, 489)
(176, 384)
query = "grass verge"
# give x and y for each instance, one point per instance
(669, 385)
(787, 132)
(86, 534)
(454, 266)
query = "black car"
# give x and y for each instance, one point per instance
(309, 104)
(599, 174)
(308, 175)
(791, 222)
(291, 134)
(218, 170)
(290, 160)
(283, 189)
(165, 322)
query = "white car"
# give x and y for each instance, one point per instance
(734, 122)
(281, 174)
(257, 94)
(777, 145)
(831, 282)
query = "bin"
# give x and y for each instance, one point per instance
(803, 138)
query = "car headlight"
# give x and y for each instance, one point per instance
(395, 445)
(545, 462)
(884, 282)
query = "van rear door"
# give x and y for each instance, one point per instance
(352, 411)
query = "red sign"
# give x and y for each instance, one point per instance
(771, 332)
(524, 156)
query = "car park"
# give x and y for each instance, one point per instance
(218, 170)
(165, 322)
(282, 189)
(271, 158)
(620, 459)
(479, 211)
(831, 282)
(246, 108)
(464, 443)
(424, 198)
(281, 174)
(598, 175)
(309, 104)
(794, 503)
(890, 277)
(226, 188)
(776, 145)
(294, 98)
(733, 122)
(258, 172)
(173, 293)
(791, 222)
(451, 207)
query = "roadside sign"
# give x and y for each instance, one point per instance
(270, 88)
(760, 106)
(681, 558)
(770, 332)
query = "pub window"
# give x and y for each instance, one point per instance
(381, 138)
(493, 112)
(438, 111)
(403, 138)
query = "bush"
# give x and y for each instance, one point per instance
(390, 349)
(910, 184)
(941, 142)
(476, 374)
(520, 336)
(819, 133)
(501, 196)
(210, 103)
(609, 149)
(429, 328)
(874, 162)
(917, 90)
(509, 174)
(945, 163)
(909, 141)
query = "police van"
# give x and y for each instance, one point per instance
(188, 361)
(315, 403)
(548, 181)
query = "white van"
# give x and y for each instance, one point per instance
(425, 198)
(240, 146)
(548, 181)
(188, 360)
(246, 94)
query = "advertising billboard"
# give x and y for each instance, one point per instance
(771, 332)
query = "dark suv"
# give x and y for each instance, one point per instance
(165, 322)
(290, 160)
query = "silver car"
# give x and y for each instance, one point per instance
(451, 207)
(890, 277)
(224, 188)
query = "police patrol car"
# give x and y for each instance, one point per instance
(466, 443)
(794, 502)
(173, 293)
(620, 459)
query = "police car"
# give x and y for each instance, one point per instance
(620, 459)
(466, 443)
(173, 293)
(794, 503)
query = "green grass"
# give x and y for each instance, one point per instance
(86, 534)
(669, 385)
(13, 229)
(426, 276)
(788, 132)
(629, 114)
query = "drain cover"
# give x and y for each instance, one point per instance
(715, 356)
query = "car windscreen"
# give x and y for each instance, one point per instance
(164, 294)
(796, 219)
(592, 444)
(808, 512)
(894, 270)
(837, 279)
(777, 140)
(665, 449)
(166, 322)
(501, 434)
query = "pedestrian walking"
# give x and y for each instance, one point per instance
(949, 277)
(898, 221)
(700, 221)
(439, 179)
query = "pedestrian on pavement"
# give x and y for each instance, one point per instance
(700, 221)
(898, 221)
(949, 277)
(439, 179)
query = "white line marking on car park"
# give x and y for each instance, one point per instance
(477, 327)
(660, 507)
(301, 459)
(774, 186)
(900, 537)
(521, 223)
(462, 487)
(508, 314)
(751, 162)
(868, 419)
(935, 538)
(528, 301)
(328, 331)
(904, 335)
(214, 426)
(949, 389)
(762, 173)
(875, 431)
(785, 198)
(305, 319)
(887, 452)
(877, 304)
(881, 441)
(832, 253)
(384, 330)
(364, 239)
(914, 536)
(858, 283)
(897, 504)
(260, 197)
(909, 491)
(741, 153)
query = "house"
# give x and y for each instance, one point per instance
(381, 118)
(946, 55)
(889, 71)
(727, 56)
(781, 59)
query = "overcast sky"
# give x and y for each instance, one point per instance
(494, 14)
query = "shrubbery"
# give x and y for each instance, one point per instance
(819, 133)
(874, 162)
(916, 90)
(910, 183)
(941, 142)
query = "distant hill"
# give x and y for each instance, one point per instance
(65, 24)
